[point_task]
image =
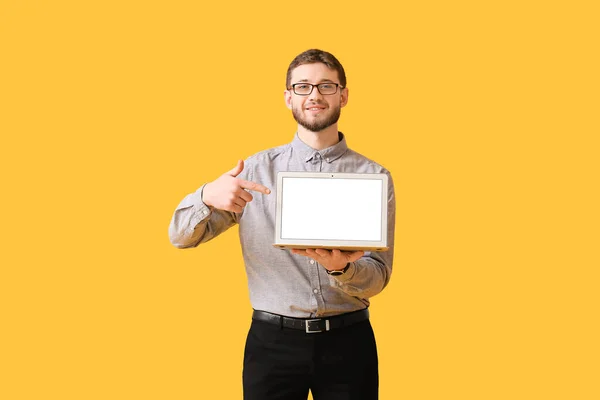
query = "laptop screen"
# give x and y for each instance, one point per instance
(331, 209)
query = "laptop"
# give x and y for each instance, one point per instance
(343, 211)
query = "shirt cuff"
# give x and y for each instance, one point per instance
(201, 210)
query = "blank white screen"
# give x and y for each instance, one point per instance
(331, 209)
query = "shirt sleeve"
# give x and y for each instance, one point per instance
(370, 274)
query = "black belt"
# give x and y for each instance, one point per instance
(312, 325)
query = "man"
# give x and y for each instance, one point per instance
(310, 328)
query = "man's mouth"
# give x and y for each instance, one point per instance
(315, 108)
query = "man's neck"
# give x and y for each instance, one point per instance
(319, 140)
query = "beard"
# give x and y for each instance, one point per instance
(316, 125)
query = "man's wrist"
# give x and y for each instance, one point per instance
(338, 271)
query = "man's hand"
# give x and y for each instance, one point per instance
(332, 260)
(227, 192)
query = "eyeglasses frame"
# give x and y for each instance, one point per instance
(312, 87)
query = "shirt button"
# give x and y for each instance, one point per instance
(312, 261)
(327, 159)
(315, 291)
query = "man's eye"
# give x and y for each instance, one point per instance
(302, 87)
(326, 86)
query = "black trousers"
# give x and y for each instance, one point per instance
(282, 363)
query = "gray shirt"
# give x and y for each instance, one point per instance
(279, 281)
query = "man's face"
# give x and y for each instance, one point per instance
(315, 111)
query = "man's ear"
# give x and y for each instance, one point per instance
(344, 97)
(288, 98)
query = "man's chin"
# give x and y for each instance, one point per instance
(317, 125)
(316, 128)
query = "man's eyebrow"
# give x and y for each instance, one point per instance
(321, 81)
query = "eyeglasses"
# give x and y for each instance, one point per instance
(304, 89)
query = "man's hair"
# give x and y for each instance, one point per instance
(313, 56)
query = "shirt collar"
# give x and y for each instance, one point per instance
(329, 154)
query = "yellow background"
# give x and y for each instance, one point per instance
(486, 113)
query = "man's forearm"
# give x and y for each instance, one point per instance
(194, 222)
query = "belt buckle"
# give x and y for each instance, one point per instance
(308, 325)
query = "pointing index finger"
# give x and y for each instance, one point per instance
(254, 186)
